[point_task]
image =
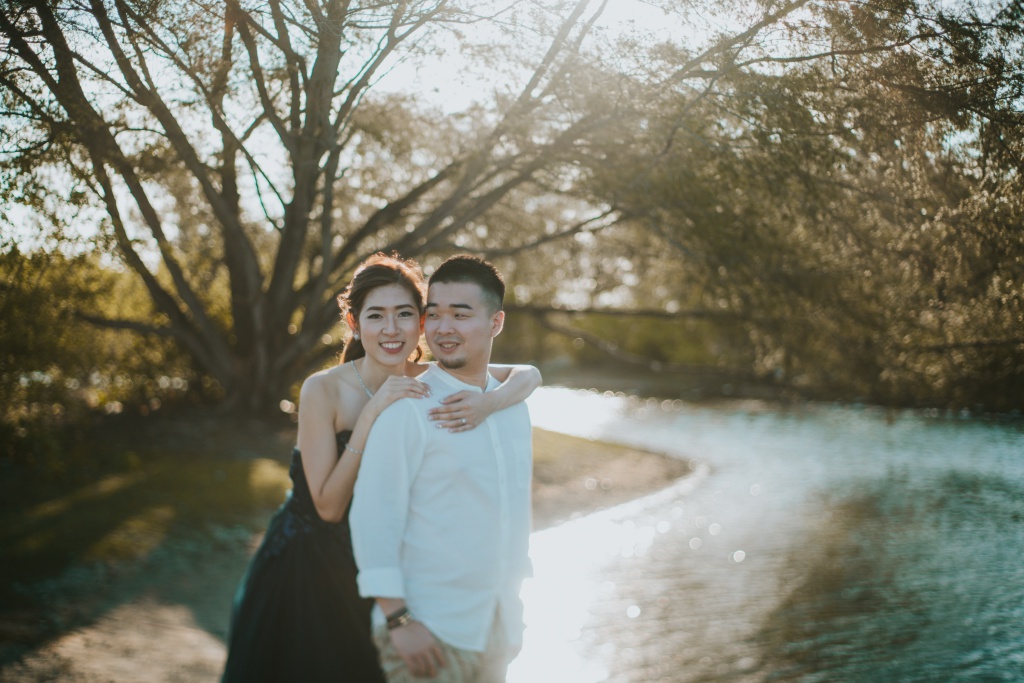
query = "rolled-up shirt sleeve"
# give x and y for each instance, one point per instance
(380, 503)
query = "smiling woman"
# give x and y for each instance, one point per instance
(297, 614)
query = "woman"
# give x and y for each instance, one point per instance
(297, 615)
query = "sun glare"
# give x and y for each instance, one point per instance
(567, 585)
(458, 68)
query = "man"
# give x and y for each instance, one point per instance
(440, 520)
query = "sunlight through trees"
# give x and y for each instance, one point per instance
(819, 194)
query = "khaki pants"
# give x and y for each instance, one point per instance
(461, 666)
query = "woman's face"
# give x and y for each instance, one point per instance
(390, 324)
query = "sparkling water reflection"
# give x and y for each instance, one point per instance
(567, 565)
(820, 544)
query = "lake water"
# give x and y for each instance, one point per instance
(818, 543)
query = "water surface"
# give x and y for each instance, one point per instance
(820, 543)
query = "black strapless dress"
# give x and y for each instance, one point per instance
(297, 615)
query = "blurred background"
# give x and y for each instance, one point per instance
(804, 201)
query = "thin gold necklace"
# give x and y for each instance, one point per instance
(359, 377)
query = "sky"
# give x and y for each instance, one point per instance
(449, 82)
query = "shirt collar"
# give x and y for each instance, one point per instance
(443, 375)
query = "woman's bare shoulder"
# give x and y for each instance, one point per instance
(333, 395)
(325, 382)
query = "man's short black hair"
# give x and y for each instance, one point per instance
(474, 270)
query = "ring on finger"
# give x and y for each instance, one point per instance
(463, 422)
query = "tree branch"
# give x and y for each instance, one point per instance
(617, 353)
(132, 325)
(252, 49)
(215, 102)
(974, 344)
(246, 278)
(581, 226)
(294, 64)
(661, 314)
(724, 45)
(388, 215)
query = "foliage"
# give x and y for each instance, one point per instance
(56, 369)
(855, 205)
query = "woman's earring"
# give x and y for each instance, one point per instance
(355, 335)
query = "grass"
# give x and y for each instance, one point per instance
(126, 514)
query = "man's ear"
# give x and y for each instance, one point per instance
(497, 323)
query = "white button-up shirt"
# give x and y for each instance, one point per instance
(443, 520)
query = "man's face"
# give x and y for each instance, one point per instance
(460, 326)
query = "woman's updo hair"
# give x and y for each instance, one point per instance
(379, 270)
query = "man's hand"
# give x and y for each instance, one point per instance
(419, 649)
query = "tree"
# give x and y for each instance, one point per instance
(243, 157)
(56, 369)
(843, 200)
(227, 144)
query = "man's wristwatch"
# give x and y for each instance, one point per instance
(399, 618)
